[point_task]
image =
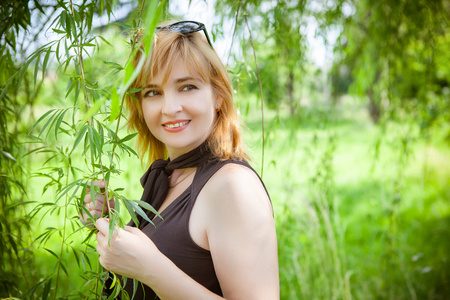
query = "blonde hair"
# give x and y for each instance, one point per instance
(225, 140)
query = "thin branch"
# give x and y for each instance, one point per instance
(80, 59)
(64, 232)
(234, 31)
(260, 93)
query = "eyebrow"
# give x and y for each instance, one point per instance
(183, 79)
(179, 80)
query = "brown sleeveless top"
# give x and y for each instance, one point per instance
(173, 239)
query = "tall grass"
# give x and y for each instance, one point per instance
(360, 210)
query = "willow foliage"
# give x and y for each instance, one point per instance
(83, 127)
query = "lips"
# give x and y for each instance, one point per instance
(175, 125)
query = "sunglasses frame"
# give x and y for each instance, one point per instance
(185, 30)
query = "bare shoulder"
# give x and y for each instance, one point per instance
(238, 187)
(240, 233)
(233, 174)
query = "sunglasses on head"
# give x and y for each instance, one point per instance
(186, 27)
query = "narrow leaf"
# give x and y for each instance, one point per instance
(128, 137)
(7, 155)
(44, 65)
(115, 106)
(95, 108)
(58, 123)
(36, 68)
(80, 136)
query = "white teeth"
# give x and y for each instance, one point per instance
(176, 125)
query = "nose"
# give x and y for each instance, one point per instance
(171, 105)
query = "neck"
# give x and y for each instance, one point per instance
(180, 175)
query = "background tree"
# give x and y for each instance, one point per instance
(394, 53)
(17, 261)
(279, 44)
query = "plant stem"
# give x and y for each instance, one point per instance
(260, 94)
(64, 231)
(80, 59)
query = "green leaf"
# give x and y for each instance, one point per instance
(66, 48)
(97, 142)
(113, 65)
(46, 291)
(38, 6)
(129, 70)
(139, 211)
(44, 66)
(57, 52)
(148, 207)
(105, 40)
(76, 256)
(115, 106)
(86, 45)
(63, 267)
(128, 137)
(95, 108)
(7, 155)
(130, 209)
(134, 90)
(54, 119)
(58, 123)
(62, 20)
(126, 26)
(40, 119)
(112, 225)
(58, 31)
(36, 68)
(49, 121)
(80, 136)
(73, 27)
(31, 292)
(52, 253)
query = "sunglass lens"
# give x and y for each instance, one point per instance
(185, 27)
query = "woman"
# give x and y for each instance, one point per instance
(217, 235)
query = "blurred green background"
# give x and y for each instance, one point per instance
(355, 121)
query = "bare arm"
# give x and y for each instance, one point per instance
(241, 234)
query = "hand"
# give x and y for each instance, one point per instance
(129, 253)
(100, 208)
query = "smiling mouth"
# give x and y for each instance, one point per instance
(176, 125)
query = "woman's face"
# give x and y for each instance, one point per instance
(181, 113)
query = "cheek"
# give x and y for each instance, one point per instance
(149, 115)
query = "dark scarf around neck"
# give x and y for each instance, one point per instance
(156, 180)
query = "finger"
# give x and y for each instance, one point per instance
(90, 206)
(112, 203)
(102, 224)
(99, 198)
(100, 244)
(134, 230)
(87, 198)
(98, 201)
(96, 213)
(100, 183)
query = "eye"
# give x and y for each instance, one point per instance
(151, 93)
(189, 87)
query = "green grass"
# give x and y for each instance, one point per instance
(359, 214)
